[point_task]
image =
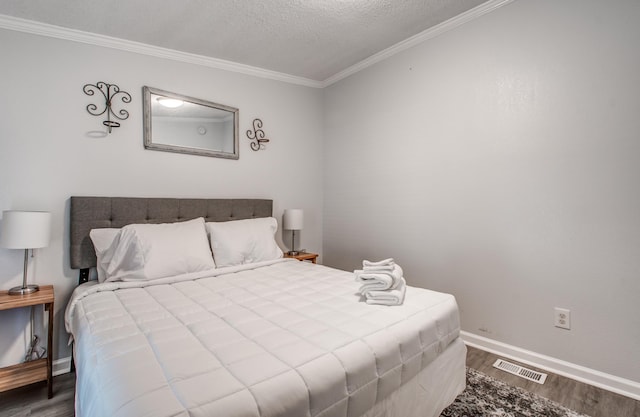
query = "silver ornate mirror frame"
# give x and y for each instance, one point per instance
(196, 126)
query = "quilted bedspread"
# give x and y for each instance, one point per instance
(282, 338)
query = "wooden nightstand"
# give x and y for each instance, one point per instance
(40, 369)
(303, 256)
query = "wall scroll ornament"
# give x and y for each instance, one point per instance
(111, 94)
(257, 135)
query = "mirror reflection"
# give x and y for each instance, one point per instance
(177, 123)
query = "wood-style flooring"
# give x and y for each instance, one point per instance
(31, 401)
(578, 396)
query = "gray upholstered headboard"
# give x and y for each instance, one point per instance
(99, 212)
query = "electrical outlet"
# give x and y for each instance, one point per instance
(562, 318)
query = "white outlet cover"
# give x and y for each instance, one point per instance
(562, 318)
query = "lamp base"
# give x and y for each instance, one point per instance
(28, 289)
(293, 253)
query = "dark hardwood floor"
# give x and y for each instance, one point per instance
(31, 401)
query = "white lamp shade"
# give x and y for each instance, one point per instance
(25, 229)
(293, 219)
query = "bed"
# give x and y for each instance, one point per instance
(256, 335)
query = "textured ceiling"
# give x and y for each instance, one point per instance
(313, 39)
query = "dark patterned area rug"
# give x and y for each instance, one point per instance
(488, 397)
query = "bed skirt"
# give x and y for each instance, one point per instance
(429, 392)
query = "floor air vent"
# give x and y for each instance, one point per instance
(518, 370)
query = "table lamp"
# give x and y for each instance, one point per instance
(293, 220)
(25, 230)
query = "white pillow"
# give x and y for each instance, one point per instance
(102, 240)
(241, 242)
(150, 251)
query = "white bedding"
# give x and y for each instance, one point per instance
(278, 338)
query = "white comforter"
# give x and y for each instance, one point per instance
(283, 338)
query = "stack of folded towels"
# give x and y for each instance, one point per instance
(382, 282)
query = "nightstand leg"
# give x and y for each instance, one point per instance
(49, 307)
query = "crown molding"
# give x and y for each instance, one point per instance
(43, 29)
(430, 33)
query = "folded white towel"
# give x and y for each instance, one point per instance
(379, 266)
(388, 261)
(389, 297)
(378, 281)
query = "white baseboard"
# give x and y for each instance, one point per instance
(589, 376)
(61, 366)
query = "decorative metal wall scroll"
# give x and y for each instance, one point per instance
(111, 94)
(257, 135)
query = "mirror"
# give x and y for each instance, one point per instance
(177, 123)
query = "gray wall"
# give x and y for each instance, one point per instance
(46, 154)
(500, 162)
